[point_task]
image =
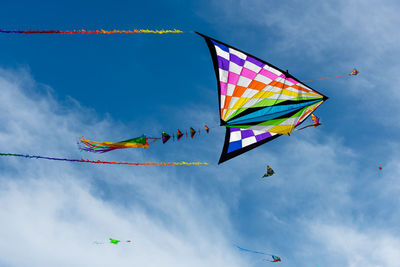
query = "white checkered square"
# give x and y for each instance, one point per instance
(262, 78)
(251, 66)
(223, 75)
(275, 71)
(235, 136)
(233, 67)
(248, 141)
(230, 88)
(243, 81)
(237, 53)
(221, 52)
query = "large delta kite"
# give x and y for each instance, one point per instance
(258, 102)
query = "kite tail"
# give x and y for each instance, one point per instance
(106, 162)
(92, 146)
(98, 147)
(90, 32)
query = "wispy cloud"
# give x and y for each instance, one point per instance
(52, 211)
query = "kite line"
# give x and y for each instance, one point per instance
(104, 162)
(89, 32)
(252, 251)
(354, 72)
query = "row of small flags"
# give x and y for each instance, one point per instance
(165, 137)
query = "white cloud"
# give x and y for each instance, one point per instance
(53, 211)
(354, 247)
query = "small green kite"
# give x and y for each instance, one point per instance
(270, 172)
(114, 241)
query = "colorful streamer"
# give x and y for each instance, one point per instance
(102, 147)
(105, 162)
(90, 32)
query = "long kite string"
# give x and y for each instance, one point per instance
(252, 251)
(354, 72)
(104, 162)
(89, 32)
(325, 78)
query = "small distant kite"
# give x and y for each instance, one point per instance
(114, 241)
(270, 172)
(354, 72)
(111, 241)
(315, 123)
(274, 258)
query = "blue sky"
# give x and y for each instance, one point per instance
(328, 203)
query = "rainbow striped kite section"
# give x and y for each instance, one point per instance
(105, 162)
(90, 32)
